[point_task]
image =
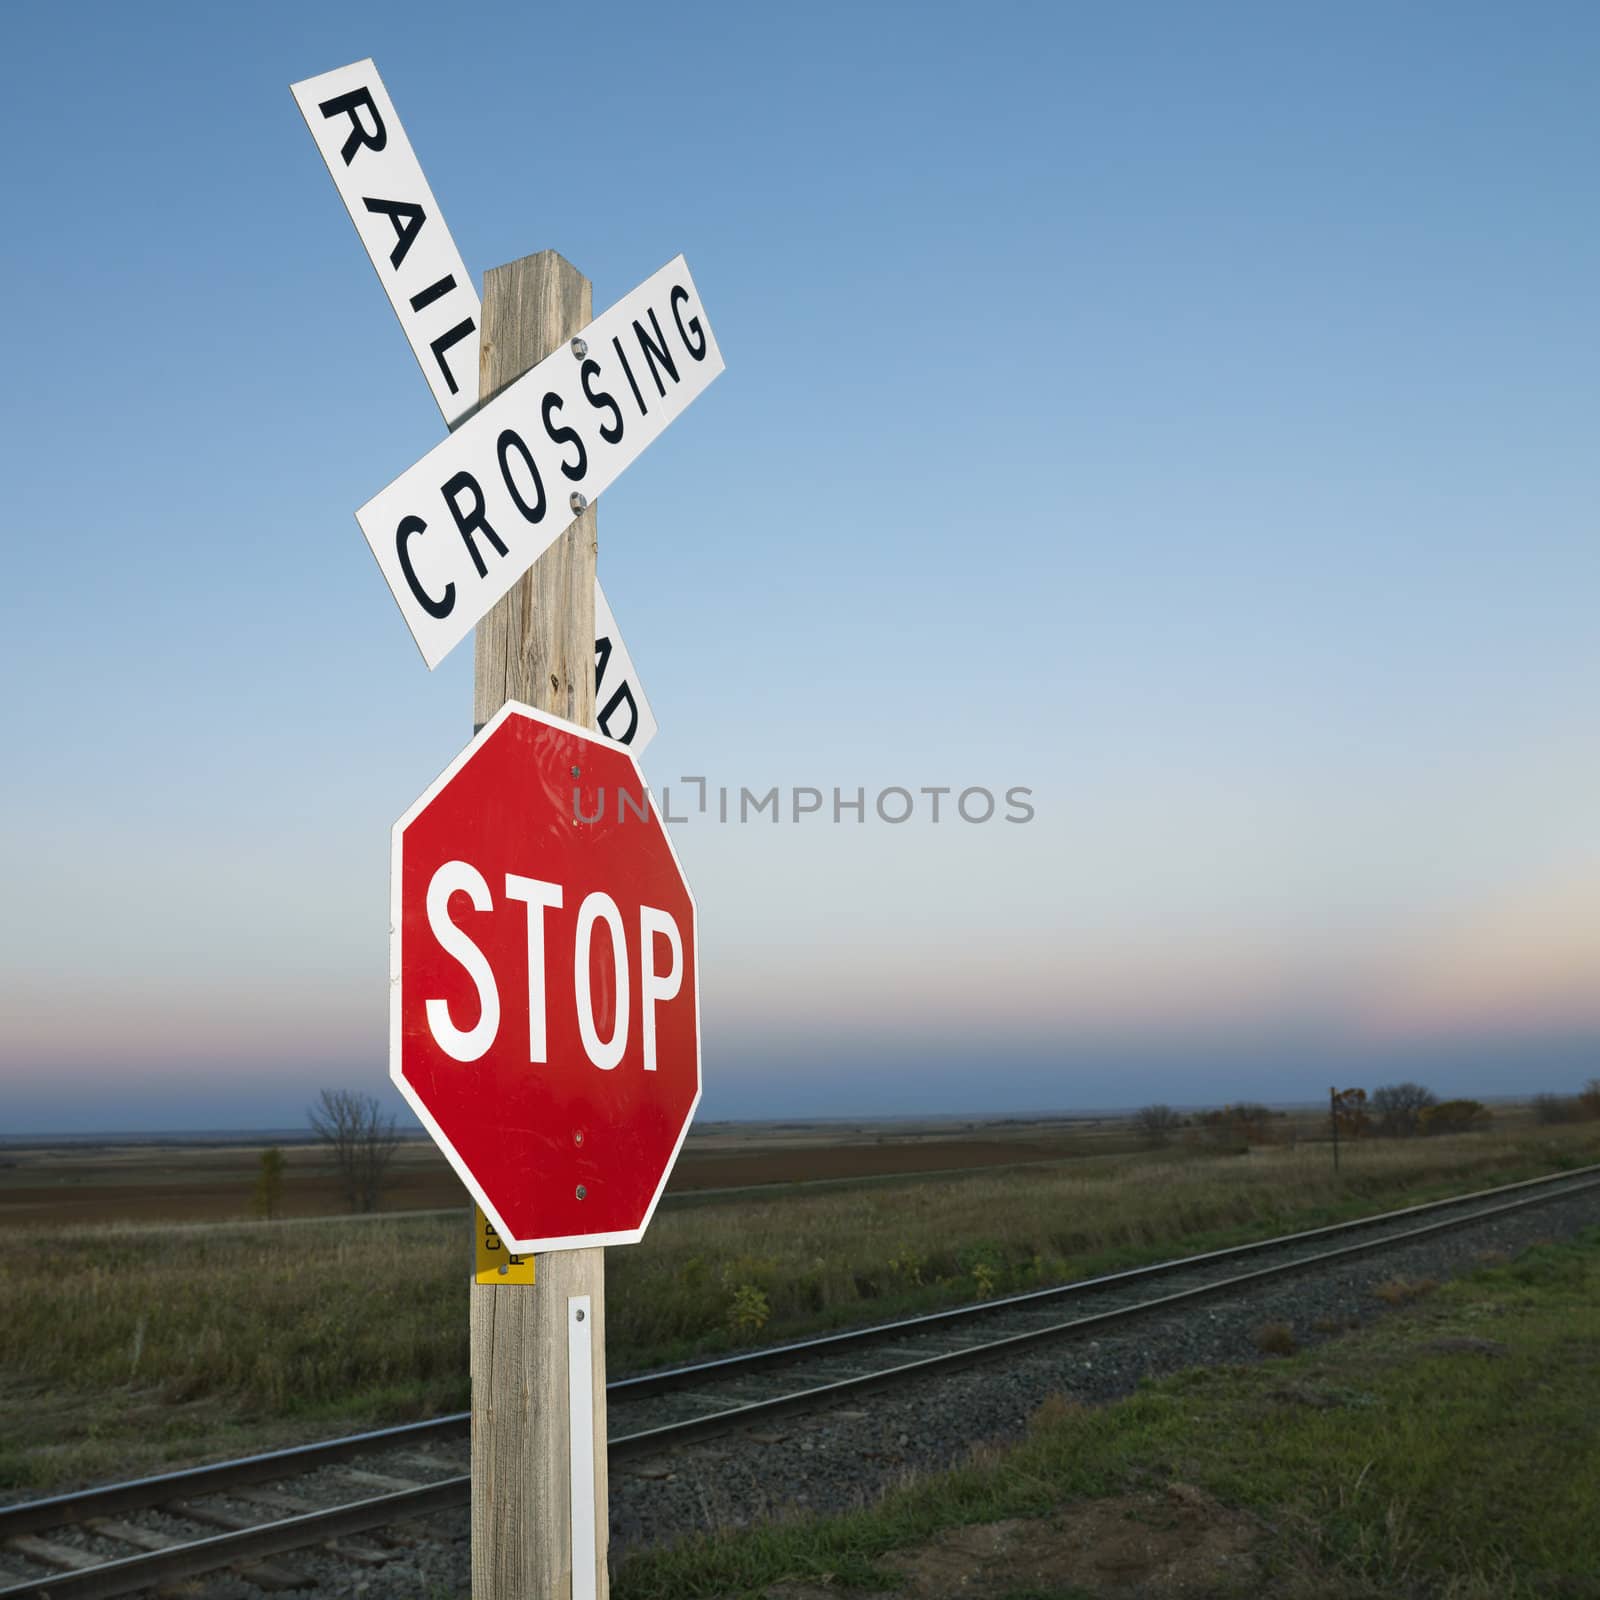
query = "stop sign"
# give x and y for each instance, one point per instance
(544, 998)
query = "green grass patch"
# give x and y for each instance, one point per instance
(308, 1328)
(1449, 1452)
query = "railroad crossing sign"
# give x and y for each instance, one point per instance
(398, 221)
(377, 175)
(455, 531)
(544, 998)
(621, 710)
(544, 990)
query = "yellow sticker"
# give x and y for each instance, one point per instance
(496, 1264)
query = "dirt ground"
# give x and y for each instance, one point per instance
(194, 1182)
(1176, 1545)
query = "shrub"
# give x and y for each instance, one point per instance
(749, 1311)
(1276, 1339)
(1454, 1116)
(908, 1266)
(268, 1198)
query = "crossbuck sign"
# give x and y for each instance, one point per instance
(454, 532)
(370, 158)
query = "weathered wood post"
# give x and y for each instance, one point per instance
(539, 1482)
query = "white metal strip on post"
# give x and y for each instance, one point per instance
(580, 1444)
(350, 116)
(454, 532)
(621, 710)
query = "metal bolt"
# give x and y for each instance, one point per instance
(577, 502)
(577, 1138)
(583, 1194)
(577, 772)
(504, 1269)
(580, 1315)
(579, 348)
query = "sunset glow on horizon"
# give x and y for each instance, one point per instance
(1199, 438)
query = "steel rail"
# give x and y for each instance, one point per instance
(107, 1499)
(123, 1576)
(131, 1573)
(651, 1440)
(665, 1379)
(138, 1494)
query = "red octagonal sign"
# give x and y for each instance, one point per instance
(544, 990)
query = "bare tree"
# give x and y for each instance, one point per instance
(1157, 1123)
(1550, 1108)
(361, 1138)
(1399, 1107)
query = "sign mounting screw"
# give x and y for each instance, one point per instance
(580, 348)
(578, 502)
(583, 1194)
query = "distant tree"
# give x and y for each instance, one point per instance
(1350, 1113)
(1589, 1100)
(1253, 1120)
(1157, 1123)
(1552, 1108)
(1399, 1107)
(1238, 1126)
(362, 1140)
(268, 1199)
(1453, 1116)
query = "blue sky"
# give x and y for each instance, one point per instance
(1186, 413)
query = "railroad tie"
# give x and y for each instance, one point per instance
(290, 1505)
(48, 1553)
(264, 1574)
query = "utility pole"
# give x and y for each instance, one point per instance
(540, 1524)
(1333, 1117)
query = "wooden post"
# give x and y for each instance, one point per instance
(537, 646)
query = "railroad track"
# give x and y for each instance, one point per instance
(123, 1538)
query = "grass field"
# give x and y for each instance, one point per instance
(48, 1184)
(125, 1348)
(1450, 1452)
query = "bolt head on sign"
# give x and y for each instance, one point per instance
(544, 985)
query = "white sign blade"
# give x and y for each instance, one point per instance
(454, 532)
(377, 176)
(621, 711)
(354, 93)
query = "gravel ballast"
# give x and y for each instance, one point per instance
(838, 1459)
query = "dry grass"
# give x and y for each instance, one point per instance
(1275, 1339)
(1402, 1291)
(357, 1322)
(1416, 1471)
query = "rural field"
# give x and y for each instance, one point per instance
(199, 1180)
(129, 1342)
(1446, 1451)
